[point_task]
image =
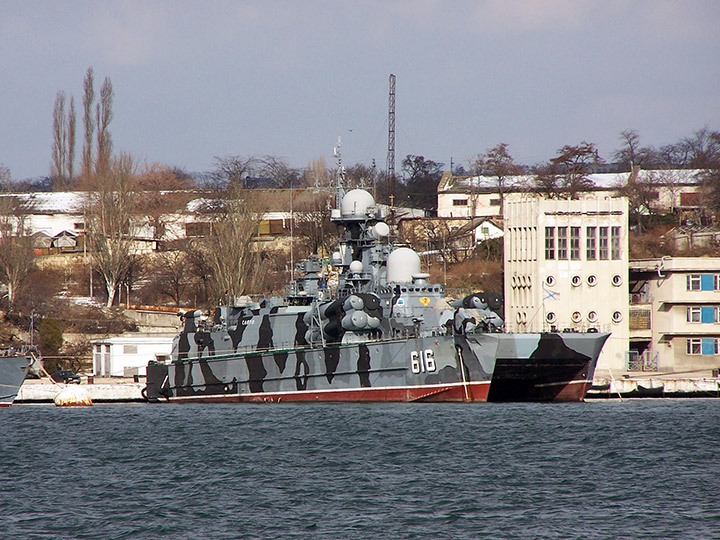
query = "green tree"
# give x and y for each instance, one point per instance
(51, 337)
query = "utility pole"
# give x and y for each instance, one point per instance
(391, 134)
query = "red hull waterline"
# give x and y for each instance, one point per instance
(571, 391)
(469, 392)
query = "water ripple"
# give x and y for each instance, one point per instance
(637, 469)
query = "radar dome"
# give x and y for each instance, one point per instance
(356, 202)
(402, 264)
(380, 230)
(356, 267)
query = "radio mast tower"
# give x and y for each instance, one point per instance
(391, 134)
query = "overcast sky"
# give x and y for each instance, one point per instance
(195, 80)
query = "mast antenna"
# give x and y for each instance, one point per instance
(391, 134)
(340, 176)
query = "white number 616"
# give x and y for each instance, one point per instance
(422, 361)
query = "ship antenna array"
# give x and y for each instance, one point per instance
(340, 176)
(391, 133)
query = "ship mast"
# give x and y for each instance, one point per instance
(340, 176)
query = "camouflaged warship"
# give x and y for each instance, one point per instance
(382, 333)
(14, 366)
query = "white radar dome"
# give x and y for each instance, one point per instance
(380, 230)
(402, 264)
(356, 267)
(356, 202)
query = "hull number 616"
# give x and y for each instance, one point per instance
(422, 361)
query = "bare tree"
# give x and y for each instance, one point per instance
(171, 274)
(361, 176)
(237, 266)
(317, 174)
(313, 227)
(16, 250)
(164, 193)
(632, 154)
(498, 163)
(71, 127)
(89, 124)
(234, 170)
(642, 197)
(63, 154)
(59, 152)
(5, 177)
(278, 171)
(103, 116)
(108, 219)
(567, 174)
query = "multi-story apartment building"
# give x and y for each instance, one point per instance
(675, 314)
(566, 268)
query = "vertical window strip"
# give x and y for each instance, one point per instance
(575, 243)
(603, 242)
(562, 251)
(591, 243)
(616, 253)
(550, 243)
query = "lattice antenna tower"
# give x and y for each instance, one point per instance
(391, 133)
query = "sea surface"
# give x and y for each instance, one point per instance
(634, 469)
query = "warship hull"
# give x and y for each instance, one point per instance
(560, 369)
(442, 368)
(13, 370)
(469, 368)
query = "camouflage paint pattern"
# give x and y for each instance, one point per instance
(13, 370)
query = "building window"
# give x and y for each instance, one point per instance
(494, 202)
(460, 202)
(704, 346)
(708, 282)
(549, 243)
(708, 315)
(709, 346)
(615, 243)
(693, 314)
(562, 252)
(603, 243)
(79, 226)
(575, 243)
(693, 282)
(591, 243)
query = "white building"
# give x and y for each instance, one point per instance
(566, 268)
(675, 314)
(129, 354)
(479, 196)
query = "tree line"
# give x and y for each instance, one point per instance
(122, 196)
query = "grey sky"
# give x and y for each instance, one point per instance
(194, 80)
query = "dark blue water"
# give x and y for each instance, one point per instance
(632, 469)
